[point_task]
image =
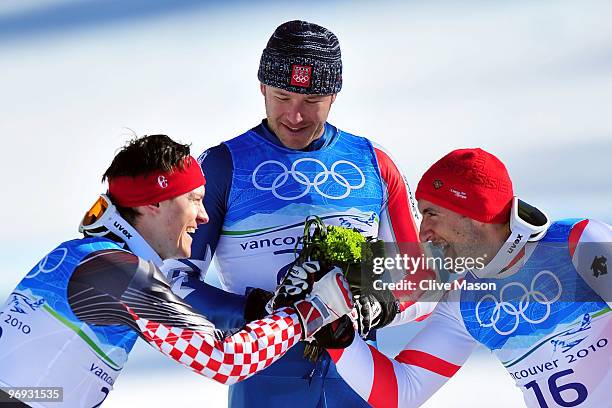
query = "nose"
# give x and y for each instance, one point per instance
(202, 217)
(425, 232)
(294, 113)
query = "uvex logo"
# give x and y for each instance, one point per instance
(518, 239)
(123, 230)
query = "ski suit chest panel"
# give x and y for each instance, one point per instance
(274, 189)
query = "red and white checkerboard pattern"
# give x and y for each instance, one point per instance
(234, 358)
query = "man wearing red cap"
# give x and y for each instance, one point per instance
(541, 300)
(70, 324)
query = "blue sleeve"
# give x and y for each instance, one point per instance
(225, 310)
(217, 167)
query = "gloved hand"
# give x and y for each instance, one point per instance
(296, 285)
(317, 303)
(256, 304)
(336, 335)
(329, 300)
(374, 310)
(368, 314)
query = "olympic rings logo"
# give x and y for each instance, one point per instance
(300, 75)
(43, 265)
(301, 78)
(281, 179)
(523, 304)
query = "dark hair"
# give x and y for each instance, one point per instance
(141, 156)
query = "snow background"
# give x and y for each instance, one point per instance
(529, 81)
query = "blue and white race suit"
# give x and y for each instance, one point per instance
(43, 343)
(73, 319)
(547, 318)
(258, 195)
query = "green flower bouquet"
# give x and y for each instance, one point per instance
(346, 248)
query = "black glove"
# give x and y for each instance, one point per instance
(337, 334)
(295, 286)
(255, 307)
(374, 310)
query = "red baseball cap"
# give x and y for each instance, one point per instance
(470, 182)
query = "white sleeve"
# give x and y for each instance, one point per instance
(399, 219)
(425, 364)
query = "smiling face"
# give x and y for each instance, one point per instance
(167, 226)
(296, 119)
(458, 236)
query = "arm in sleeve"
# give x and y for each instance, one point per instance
(116, 287)
(227, 311)
(425, 364)
(398, 224)
(590, 246)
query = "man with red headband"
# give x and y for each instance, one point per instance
(78, 312)
(540, 300)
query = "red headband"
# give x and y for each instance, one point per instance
(157, 186)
